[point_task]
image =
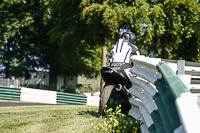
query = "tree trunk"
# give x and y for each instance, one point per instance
(103, 64)
(7, 69)
(104, 53)
(7, 57)
(165, 48)
(53, 77)
(104, 60)
(66, 81)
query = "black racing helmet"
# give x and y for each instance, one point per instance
(130, 36)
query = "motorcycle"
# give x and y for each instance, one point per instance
(117, 76)
(115, 91)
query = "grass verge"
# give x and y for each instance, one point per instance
(49, 119)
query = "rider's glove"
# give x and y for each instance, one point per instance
(122, 51)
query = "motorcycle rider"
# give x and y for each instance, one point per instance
(121, 53)
(117, 75)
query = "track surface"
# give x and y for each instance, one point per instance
(10, 104)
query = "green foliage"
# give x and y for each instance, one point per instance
(75, 55)
(167, 29)
(175, 23)
(85, 90)
(40, 34)
(23, 29)
(115, 15)
(88, 90)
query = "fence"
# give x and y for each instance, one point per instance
(21, 82)
(190, 69)
(9, 82)
(161, 99)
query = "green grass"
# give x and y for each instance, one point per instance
(49, 119)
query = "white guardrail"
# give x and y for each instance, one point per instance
(165, 95)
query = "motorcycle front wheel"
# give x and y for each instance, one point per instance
(105, 98)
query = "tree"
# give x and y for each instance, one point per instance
(75, 55)
(113, 16)
(43, 35)
(167, 29)
(109, 17)
(24, 37)
(175, 28)
(66, 36)
(16, 52)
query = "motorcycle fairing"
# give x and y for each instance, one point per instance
(111, 76)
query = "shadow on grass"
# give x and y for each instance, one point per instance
(92, 113)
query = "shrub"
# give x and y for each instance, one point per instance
(85, 90)
(88, 90)
(69, 89)
(117, 122)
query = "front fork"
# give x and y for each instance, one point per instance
(122, 89)
(118, 96)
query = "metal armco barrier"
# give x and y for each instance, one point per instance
(42, 96)
(162, 95)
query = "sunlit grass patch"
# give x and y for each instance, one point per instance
(49, 119)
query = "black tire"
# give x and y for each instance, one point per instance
(105, 95)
